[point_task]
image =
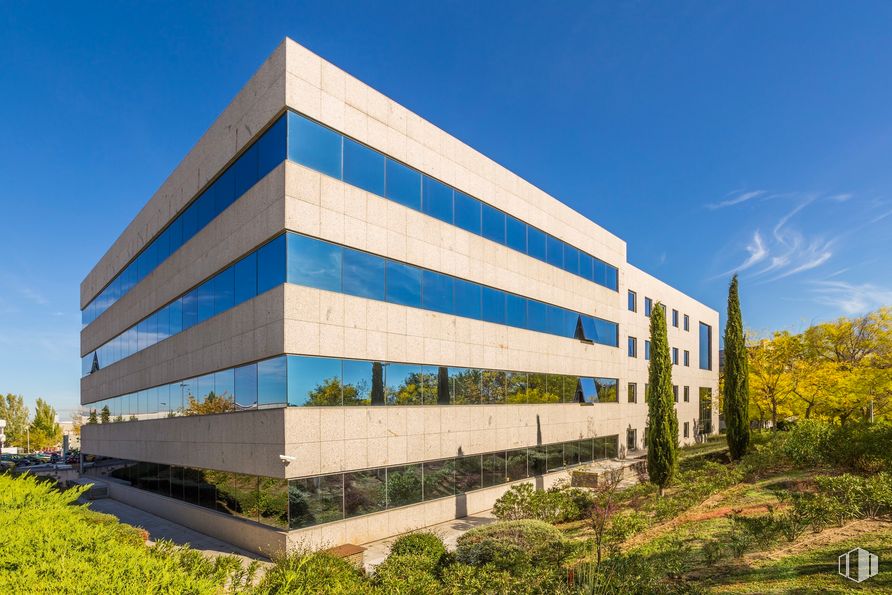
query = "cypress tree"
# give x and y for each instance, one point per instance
(736, 390)
(662, 419)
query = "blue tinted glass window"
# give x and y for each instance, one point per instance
(646, 349)
(271, 265)
(363, 274)
(537, 316)
(363, 382)
(536, 243)
(555, 249)
(493, 224)
(403, 384)
(271, 147)
(585, 266)
(554, 319)
(437, 200)
(206, 210)
(314, 381)
(246, 386)
(363, 167)
(190, 223)
(515, 310)
(612, 277)
(705, 346)
(245, 170)
(190, 309)
(571, 259)
(516, 234)
(467, 212)
(314, 263)
(224, 286)
(403, 284)
(467, 299)
(493, 305)
(205, 294)
(403, 185)
(224, 191)
(437, 292)
(175, 317)
(608, 332)
(245, 279)
(314, 145)
(271, 381)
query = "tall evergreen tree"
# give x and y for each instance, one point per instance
(736, 395)
(662, 419)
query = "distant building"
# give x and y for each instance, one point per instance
(334, 322)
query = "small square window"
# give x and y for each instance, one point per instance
(675, 392)
(633, 347)
(687, 322)
(687, 429)
(675, 318)
(675, 356)
(633, 392)
(633, 301)
(648, 306)
(687, 357)
(687, 394)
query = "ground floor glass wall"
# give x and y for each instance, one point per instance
(304, 502)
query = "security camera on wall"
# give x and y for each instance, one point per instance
(286, 459)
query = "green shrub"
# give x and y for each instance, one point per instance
(422, 543)
(461, 579)
(313, 572)
(408, 574)
(760, 531)
(555, 505)
(514, 546)
(624, 525)
(713, 551)
(808, 442)
(52, 545)
(635, 572)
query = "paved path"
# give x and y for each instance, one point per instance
(160, 528)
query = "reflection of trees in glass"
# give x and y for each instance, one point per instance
(439, 479)
(403, 485)
(606, 390)
(237, 494)
(315, 500)
(517, 387)
(272, 502)
(466, 386)
(493, 386)
(538, 390)
(213, 403)
(377, 383)
(364, 492)
(329, 391)
(408, 392)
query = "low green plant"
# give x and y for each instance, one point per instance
(408, 574)
(50, 544)
(513, 546)
(423, 543)
(555, 505)
(304, 572)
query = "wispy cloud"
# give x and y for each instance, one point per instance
(851, 298)
(786, 251)
(735, 198)
(32, 295)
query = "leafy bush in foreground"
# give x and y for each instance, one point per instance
(423, 543)
(52, 545)
(556, 505)
(514, 546)
(316, 572)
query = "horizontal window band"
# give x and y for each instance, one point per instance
(311, 381)
(312, 501)
(311, 262)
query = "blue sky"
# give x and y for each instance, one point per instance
(711, 136)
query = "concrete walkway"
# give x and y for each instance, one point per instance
(160, 528)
